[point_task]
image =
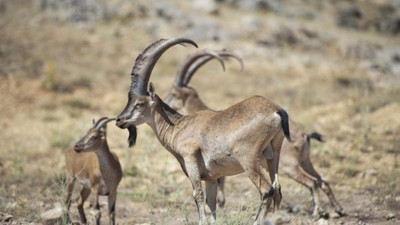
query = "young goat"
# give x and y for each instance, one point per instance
(295, 156)
(96, 168)
(209, 145)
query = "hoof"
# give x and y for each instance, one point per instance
(221, 203)
(339, 210)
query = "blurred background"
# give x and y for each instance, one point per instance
(334, 65)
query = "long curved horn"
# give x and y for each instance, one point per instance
(103, 122)
(145, 62)
(226, 53)
(180, 76)
(200, 62)
(98, 121)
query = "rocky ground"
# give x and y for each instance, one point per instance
(333, 65)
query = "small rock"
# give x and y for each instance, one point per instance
(390, 216)
(207, 6)
(322, 222)
(370, 173)
(297, 208)
(335, 215)
(52, 216)
(6, 217)
(280, 217)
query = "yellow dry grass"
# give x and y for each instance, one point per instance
(59, 76)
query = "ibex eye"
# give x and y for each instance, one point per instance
(138, 105)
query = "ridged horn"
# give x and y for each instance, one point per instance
(200, 62)
(180, 76)
(95, 124)
(145, 62)
(103, 122)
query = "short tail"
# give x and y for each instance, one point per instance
(285, 123)
(316, 136)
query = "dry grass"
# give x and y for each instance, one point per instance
(56, 77)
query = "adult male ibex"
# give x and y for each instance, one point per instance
(295, 156)
(207, 144)
(186, 100)
(96, 168)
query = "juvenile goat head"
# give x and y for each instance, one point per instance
(94, 137)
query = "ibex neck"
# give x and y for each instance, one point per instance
(194, 105)
(161, 127)
(109, 166)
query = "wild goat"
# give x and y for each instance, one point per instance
(207, 144)
(295, 156)
(296, 164)
(96, 168)
(185, 99)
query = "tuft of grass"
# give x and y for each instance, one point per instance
(51, 118)
(84, 82)
(77, 103)
(50, 76)
(132, 171)
(61, 139)
(138, 197)
(349, 171)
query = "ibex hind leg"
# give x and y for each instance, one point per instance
(328, 191)
(259, 178)
(273, 165)
(308, 167)
(296, 174)
(85, 192)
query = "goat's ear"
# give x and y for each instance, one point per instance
(104, 131)
(152, 91)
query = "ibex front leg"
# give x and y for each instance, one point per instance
(211, 192)
(111, 206)
(94, 203)
(220, 192)
(193, 173)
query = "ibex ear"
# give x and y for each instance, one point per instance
(104, 129)
(93, 121)
(152, 91)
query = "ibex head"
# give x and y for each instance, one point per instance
(94, 137)
(141, 103)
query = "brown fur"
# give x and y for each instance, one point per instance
(296, 164)
(97, 169)
(207, 144)
(295, 160)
